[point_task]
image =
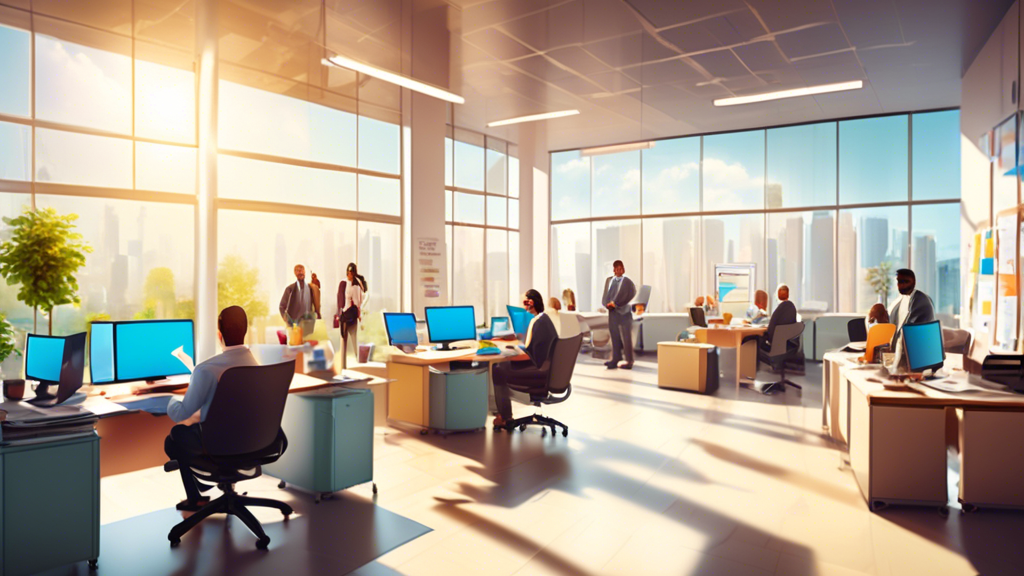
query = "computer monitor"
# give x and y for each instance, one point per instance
(501, 326)
(55, 360)
(142, 349)
(923, 346)
(101, 352)
(447, 324)
(401, 327)
(520, 319)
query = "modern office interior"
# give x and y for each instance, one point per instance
(409, 287)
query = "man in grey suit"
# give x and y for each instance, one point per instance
(912, 307)
(300, 298)
(618, 292)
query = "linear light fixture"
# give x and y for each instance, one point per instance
(599, 150)
(809, 91)
(403, 81)
(533, 118)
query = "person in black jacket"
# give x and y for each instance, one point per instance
(784, 313)
(540, 340)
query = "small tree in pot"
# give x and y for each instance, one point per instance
(43, 255)
(8, 345)
(880, 279)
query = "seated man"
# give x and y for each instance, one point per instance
(540, 339)
(912, 307)
(758, 312)
(785, 313)
(184, 439)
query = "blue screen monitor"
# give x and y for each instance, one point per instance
(501, 326)
(923, 345)
(44, 356)
(520, 319)
(401, 327)
(447, 324)
(142, 349)
(56, 360)
(101, 352)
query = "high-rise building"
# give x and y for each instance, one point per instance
(822, 255)
(924, 265)
(874, 241)
(849, 273)
(947, 299)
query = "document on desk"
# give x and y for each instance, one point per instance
(954, 386)
(179, 353)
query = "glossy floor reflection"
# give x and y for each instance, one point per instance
(649, 481)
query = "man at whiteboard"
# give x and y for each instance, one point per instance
(912, 307)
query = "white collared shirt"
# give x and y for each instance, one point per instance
(203, 383)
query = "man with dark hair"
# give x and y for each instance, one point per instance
(185, 439)
(540, 339)
(912, 307)
(618, 292)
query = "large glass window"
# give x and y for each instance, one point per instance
(873, 244)
(497, 275)
(801, 252)
(671, 262)
(380, 248)
(497, 166)
(616, 190)
(611, 241)
(734, 171)
(570, 186)
(16, 159)
(83, 159)
(736, 239)
(16, 70)
(570, 263)
(936, 152)
(802, 166)
(468, 267)
(245, 179)
(873, 160)
(936, 255)
(671, 176)
(469, 160)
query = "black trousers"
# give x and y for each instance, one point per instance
(182, 444)
(519, 371)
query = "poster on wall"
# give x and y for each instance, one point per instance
(429, 270)
(1007, 236)
(983, 304)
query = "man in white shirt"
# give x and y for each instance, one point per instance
(185, 439)
(912, 307)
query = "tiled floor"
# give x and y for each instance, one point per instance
(649, 481)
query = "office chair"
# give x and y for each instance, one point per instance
(553, 390)
(956, 341)
(857, 330)
(785, 345)
(242, 431)
(697, 317)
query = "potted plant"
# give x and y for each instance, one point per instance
(8, 345)
(880, 279)
(43, 255)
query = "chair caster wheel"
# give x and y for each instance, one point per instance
(565, 432)
(263, 543)
(93, 564)
(316, 499)
(424, 432)
(543, 432)
(175, 542)
(287, 517)
(375, 488)
(522, 427)
(944, 511)
(282, 484)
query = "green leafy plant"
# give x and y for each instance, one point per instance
(43, 256)
(880, 279)
(237, 286)
(8, 345)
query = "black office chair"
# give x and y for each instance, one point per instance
(857, 330)
(553, 390)
(242, 432)
(697, 317)
(785, 345)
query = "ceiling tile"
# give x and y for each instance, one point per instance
(607, 19)
(811, 41)
(541, 67)
(721, 64)
(678, 70)
(735, 28)
(692, 37)
(615, 81)
(662, 13)
(579, 60)
(497, 44)
(870, 22)
(784, 15)
(761, 56)
(495, 12)
(620, 51)
(840, 67)
(559, 26)
(580, 86)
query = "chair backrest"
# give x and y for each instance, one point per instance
(697, 317)
(784, 334)
(879, 335)
(562, 362)
(245, 415)
(857, 330)
(956, 341)
(643, 296)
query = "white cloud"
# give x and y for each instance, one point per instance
(574, 167)
(730, 186)
(664, 189)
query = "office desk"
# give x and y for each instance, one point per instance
(409, 390)
(897, 438)
(732, 337)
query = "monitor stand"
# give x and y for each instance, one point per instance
(447, 346)
(935, 375)
(43, 396)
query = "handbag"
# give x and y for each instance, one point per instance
(341, 303)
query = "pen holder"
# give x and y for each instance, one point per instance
(14, 389)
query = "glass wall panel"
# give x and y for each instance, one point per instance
(18, 314)
(449, 158)
(165, 168)
(616, 184)
(16, 70)
(448, 212)
(142, 264)
(672, 262)
(671, 176)
(469, 208)
(513, 175)
(497, 275)
(870, 239)
(570, 263)
(611, 241)
(469, 161)
(15, 151)
(735, 239)
(245, 179)
(936, 255)
(734, 171)
(380, 195)
(254, 269)
(497, 211)
(379, 146)
(71, 158)
(936, 155)
(497, 166)
(873, 160)
(514, 290)
(513, 214)
(380, 255)
(802, 166)
(468, 254)
(570, 186)
(165, 103)
(801, 254)
(99, 80)
(1004, 177)
(449, 246)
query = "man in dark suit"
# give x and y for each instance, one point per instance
(300, 298)
(540, 340)
(618, 292)
(912, 307)
(785, 313)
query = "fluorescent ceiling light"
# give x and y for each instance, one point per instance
(809, 91)
(403, 81)
(533, 118)
(599, 150)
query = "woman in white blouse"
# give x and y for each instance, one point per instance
(351, 301)
(566, 325)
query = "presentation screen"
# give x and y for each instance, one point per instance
(143, 349)
(734, 282)
(101, 352)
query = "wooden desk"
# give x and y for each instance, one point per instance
(732, 337)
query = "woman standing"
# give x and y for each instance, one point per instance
(351, 300)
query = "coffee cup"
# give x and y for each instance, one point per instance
(14, 389)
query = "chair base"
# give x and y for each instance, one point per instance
(235, 505)
(535, 420)
(772, 387)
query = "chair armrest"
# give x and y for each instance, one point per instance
(752, 337)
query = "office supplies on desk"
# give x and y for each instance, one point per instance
(150, 350)
(55, 360)
(156, 405)
(447, 324)
(14, 389)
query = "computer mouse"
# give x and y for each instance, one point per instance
(510, 347)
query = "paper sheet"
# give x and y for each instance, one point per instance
(179, 353)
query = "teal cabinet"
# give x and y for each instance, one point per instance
(330, 440)
(458, 400)
(49, 504)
